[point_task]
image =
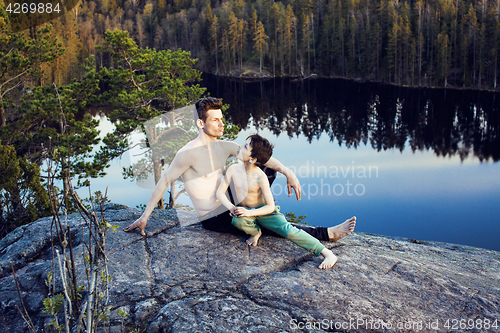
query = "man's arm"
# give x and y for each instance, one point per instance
(291, 180)
(178, 166)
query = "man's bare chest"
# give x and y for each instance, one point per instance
(207, 163)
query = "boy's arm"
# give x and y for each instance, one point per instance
(221, 191)
(268, 198)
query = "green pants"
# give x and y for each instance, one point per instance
(277, 223)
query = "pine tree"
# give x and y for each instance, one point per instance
(253, 24)
(288, 33)
(305, 50)
(393, 51)
(481, 54)
(351, 45)
(472, 27)
(274, 17)
(443, 58)
(233, 36)
(21, 60)
(242, 30)
(145, 84)
(214, 41)
(377, 35)
(493, 26)
(260, 44)
(406, 38)
(24, 198)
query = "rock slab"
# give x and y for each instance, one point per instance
(182, 278)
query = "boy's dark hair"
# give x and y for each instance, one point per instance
(205, 104)
(262, 149)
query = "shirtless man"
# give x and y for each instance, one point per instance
(201, 162)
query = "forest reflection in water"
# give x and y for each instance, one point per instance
(432, 153)
(449, 122)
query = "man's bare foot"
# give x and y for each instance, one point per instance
(330, 259)
(139, 223)
(253, 240)
(342, 230)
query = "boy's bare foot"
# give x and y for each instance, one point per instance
(330, 259)
(342, 230)
(254, 239)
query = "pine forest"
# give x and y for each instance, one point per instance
(432, 43)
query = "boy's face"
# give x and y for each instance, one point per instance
(245, 151)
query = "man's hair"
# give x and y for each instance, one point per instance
(205, 104)
(262, 149)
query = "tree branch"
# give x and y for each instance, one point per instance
(131, 71)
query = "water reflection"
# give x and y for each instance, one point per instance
(449, 122)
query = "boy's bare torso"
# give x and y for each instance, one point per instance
(246, 185)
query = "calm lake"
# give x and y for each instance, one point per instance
(415, 163)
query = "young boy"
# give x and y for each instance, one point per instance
(252, 191)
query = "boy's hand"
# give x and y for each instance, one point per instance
(241, 212)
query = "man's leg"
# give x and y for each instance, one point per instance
(331, 234)
(221, 223)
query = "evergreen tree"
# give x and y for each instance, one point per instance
(260, 45)
(288, 33)
(233, 36)
(275, 18)
(351, 45)
(50, 127)
(472, 31)
(144, 85)
(443, 45)
(242, 30)
(393, 51)
(214, 40)
(20, 60)
(23, 197)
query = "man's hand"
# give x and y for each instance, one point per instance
(241, 212)
(232, 211)
(291, 179)
(139, 223)
(293, 182)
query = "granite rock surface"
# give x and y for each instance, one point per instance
(182, 278)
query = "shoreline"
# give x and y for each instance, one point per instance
(253, 76)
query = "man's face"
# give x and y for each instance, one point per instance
(213, 126)
(244, 152)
